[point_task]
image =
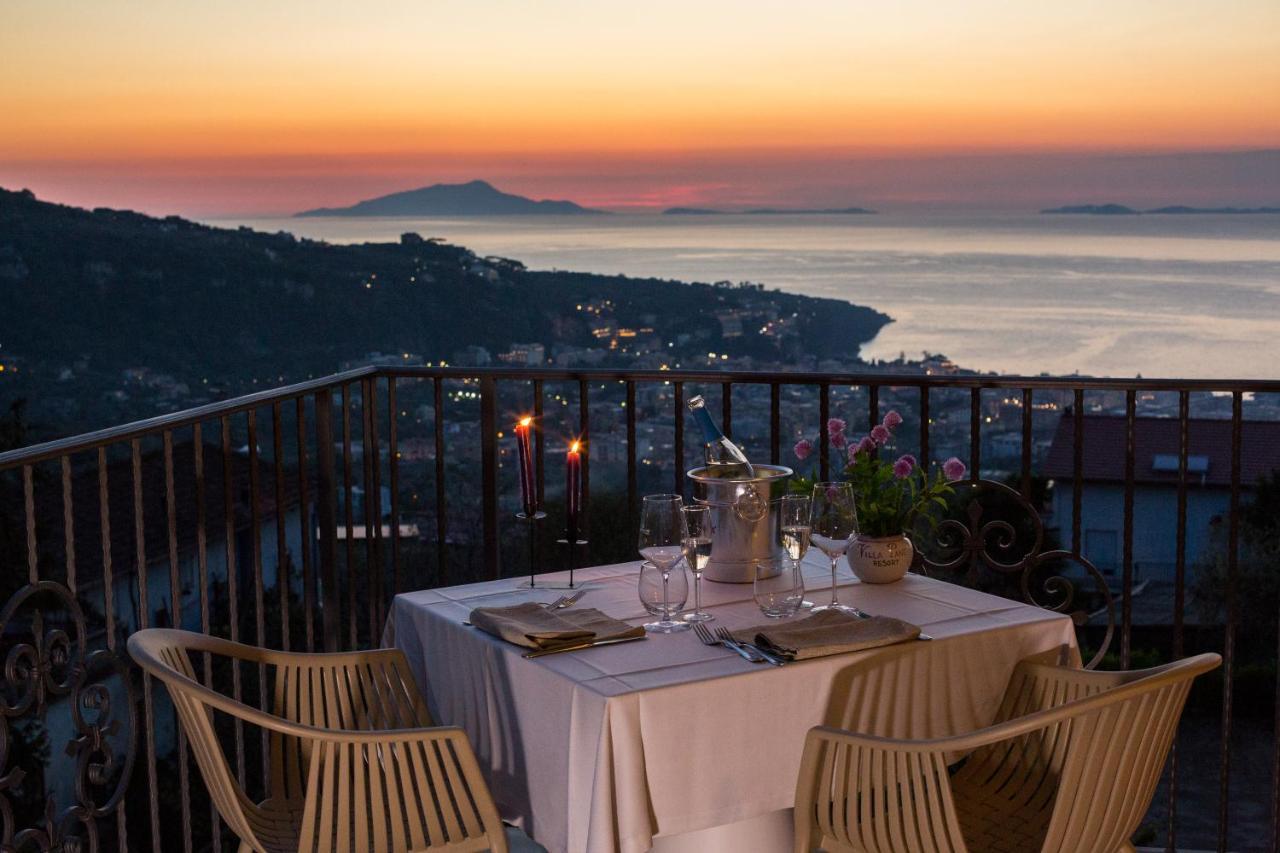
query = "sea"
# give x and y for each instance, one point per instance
(1189, 295)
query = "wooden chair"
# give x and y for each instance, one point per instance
(1070, 764)
(355, 764)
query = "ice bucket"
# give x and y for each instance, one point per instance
(744, 519)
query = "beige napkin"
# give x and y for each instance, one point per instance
(536, 627)
(828, 632)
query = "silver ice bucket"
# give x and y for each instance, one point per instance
(744, 519)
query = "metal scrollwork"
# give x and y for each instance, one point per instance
(1012, 547)
(48, 662)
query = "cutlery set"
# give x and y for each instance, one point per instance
(720, 637)
(749, 651)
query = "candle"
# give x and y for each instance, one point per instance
(525, 460)
(573, 489)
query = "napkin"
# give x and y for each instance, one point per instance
(536, 627)
(828, 632)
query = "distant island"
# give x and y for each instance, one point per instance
(1122, 210)
(1178, 208)
(474, 198)
(764, 211)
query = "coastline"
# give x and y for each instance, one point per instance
(1014, 294)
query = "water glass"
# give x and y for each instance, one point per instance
(650, 588)
(779, 587)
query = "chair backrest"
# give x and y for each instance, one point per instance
(359, 691)
(1091, 769)
(1075, 755)
(1112, 750)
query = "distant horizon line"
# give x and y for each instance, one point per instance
(874, 209)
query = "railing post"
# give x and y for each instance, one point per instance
(489, 473)
(327, 511)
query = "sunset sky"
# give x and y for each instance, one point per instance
(250, 107)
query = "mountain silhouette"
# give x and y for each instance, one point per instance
(474, 198)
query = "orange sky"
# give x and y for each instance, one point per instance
(244, 106)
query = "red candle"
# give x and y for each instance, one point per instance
(573, 488)
(525, 461)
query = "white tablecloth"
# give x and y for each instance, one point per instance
(622, 747)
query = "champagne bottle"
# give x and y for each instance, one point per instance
(721, 455)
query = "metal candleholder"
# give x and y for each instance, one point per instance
(532, 522)
(572, 543)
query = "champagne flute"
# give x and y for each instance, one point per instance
(833, 523)
(697, 551)
(794, 529)
(662, 536)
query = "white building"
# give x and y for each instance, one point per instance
(1155, 476)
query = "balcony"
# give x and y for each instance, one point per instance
(289, 518)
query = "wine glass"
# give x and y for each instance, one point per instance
(833, 523)
(662, 536)
(697, 552)
(793, 530)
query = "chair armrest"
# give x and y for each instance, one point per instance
(193, 642)
(1136, 681)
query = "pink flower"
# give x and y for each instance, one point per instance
(867, 445)
(880, 434)
(836, 426)
(803, 449)
(953, 469)
(903, 467)
(854, 449)
(838, 440)
(892, 419)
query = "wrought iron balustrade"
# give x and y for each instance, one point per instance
(289, 518)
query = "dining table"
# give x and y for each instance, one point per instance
(671, 745)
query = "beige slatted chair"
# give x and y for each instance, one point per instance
(355, 763)
(1070, 764)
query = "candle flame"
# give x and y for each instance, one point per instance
(525, 421)
(573, 448)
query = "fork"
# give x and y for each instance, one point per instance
(568, 600)
(726, 637)
(559, 604)
(707, 640)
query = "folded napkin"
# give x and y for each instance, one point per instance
(828, 632)
(536, 627)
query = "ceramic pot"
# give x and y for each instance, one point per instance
(880, 559)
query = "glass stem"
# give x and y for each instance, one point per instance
(697, 592)
(666, 608)
(834, 600)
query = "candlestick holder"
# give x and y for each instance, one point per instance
(532, 522)
(572, 543)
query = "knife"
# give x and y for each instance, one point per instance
(537, 653)
(769, 656)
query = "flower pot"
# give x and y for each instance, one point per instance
(880, 559)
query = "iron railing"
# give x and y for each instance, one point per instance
(262, 518)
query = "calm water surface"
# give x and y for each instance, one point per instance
(1193, 296)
